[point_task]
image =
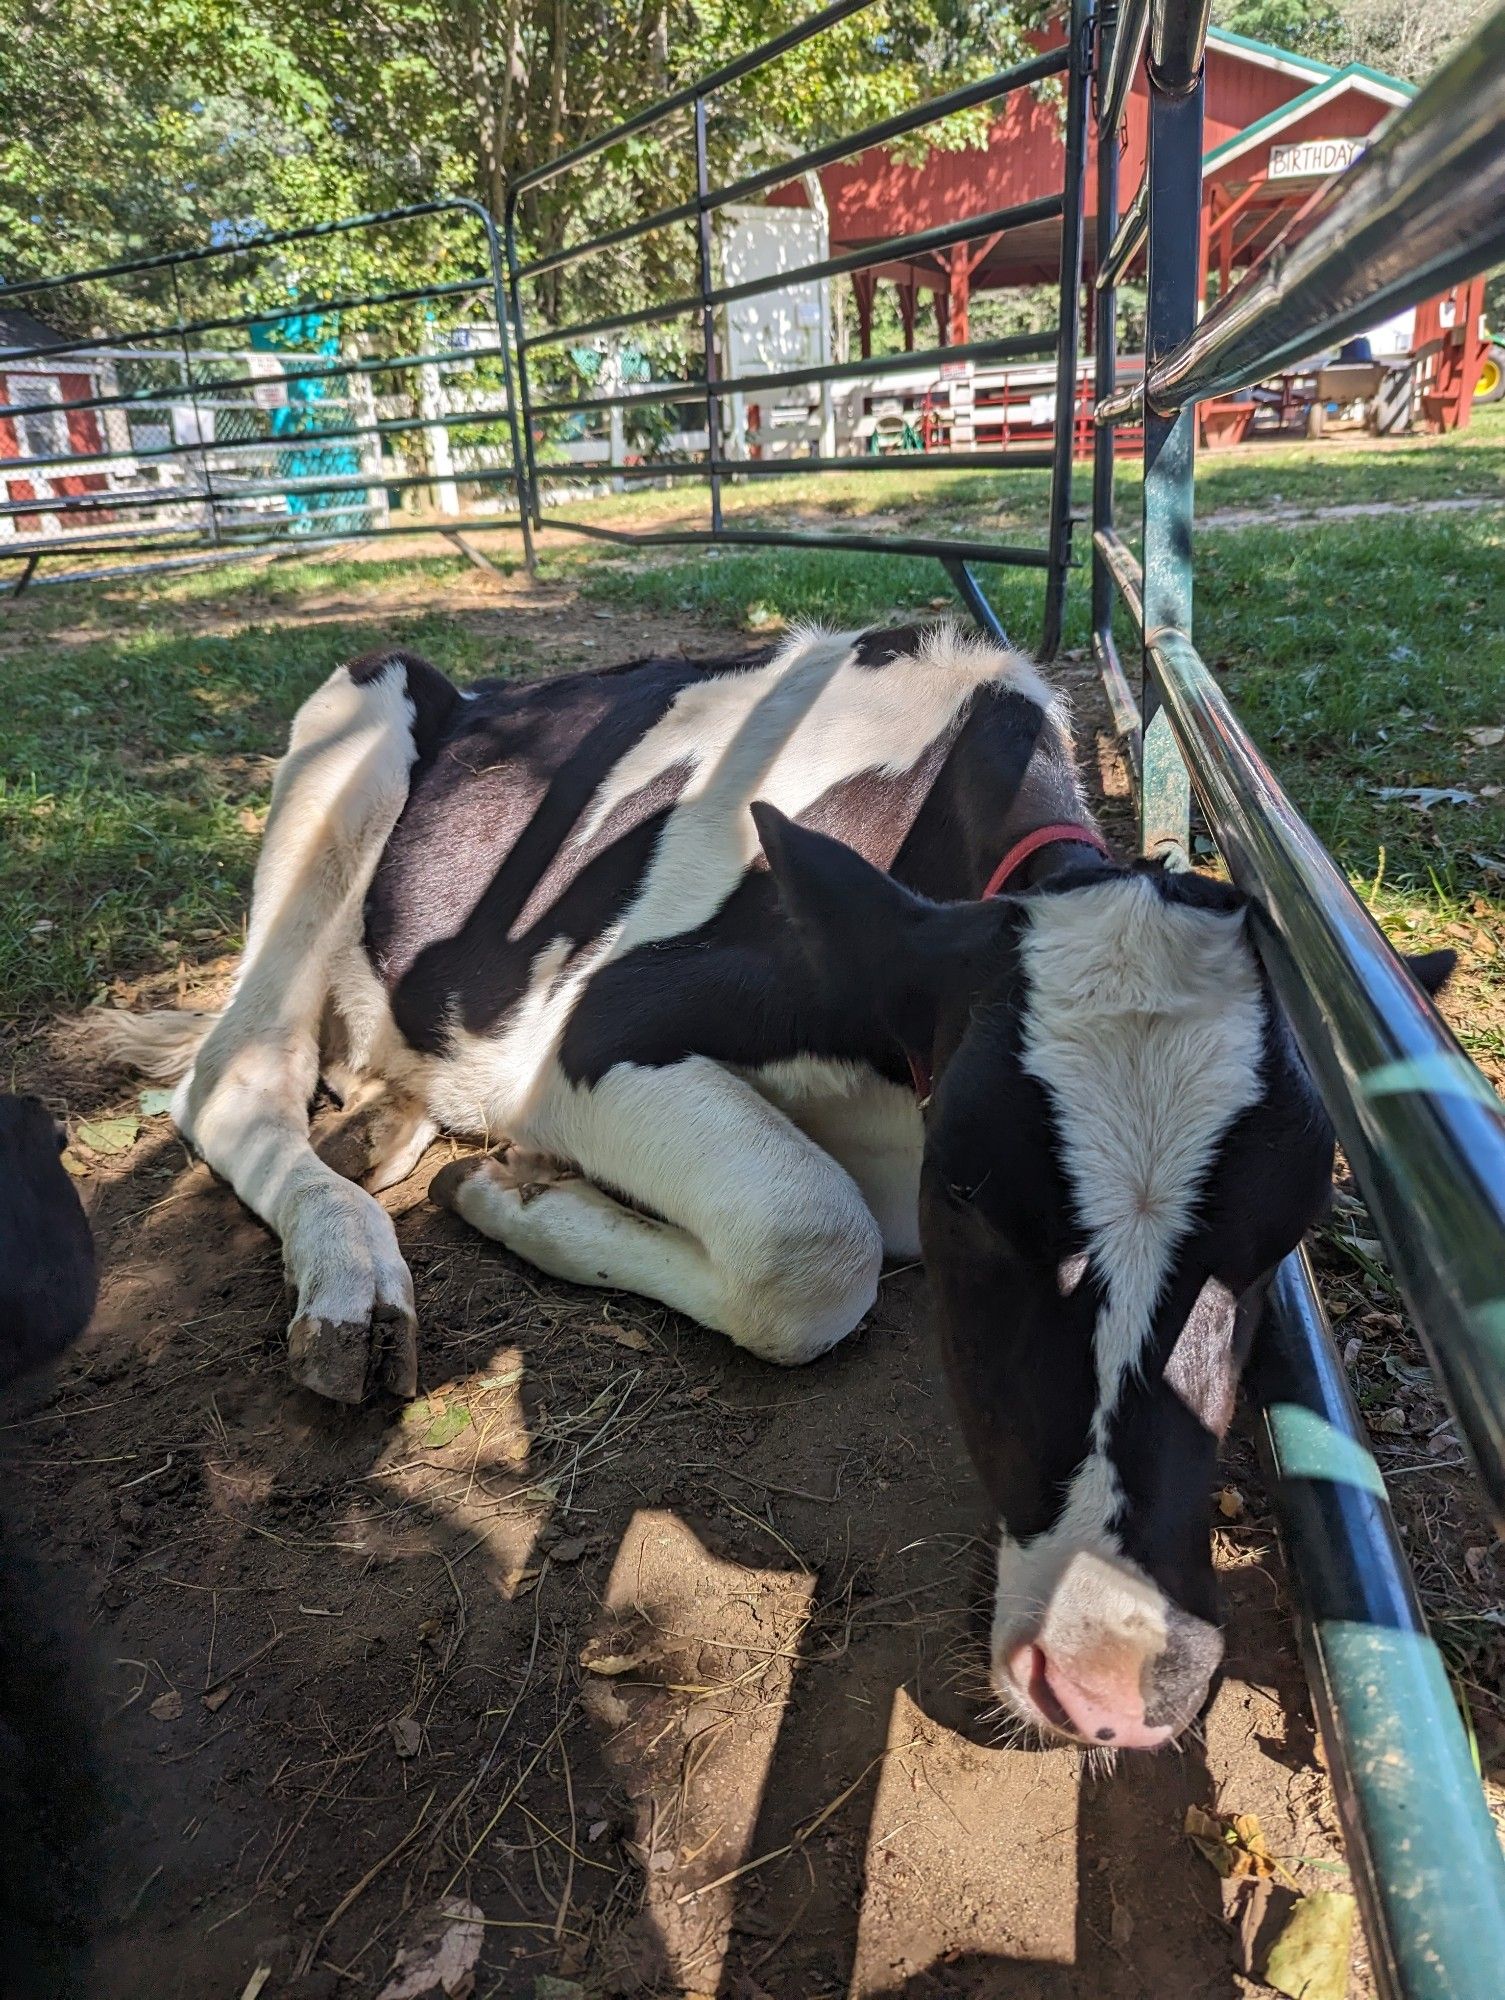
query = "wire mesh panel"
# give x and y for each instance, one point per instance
(277, 389)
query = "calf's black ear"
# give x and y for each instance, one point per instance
(1432, 969)
(876, 946)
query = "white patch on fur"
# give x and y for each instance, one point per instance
(161, 1045)
(1145, 1022)
(870, 1126)
(788, 731)
(752, 1230)
(785, 733)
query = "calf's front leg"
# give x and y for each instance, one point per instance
(751, 1229)
(244, 1105)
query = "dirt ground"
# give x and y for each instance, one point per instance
(665, 1662)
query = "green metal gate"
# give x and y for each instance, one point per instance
(303, 418)
(1423, 1131)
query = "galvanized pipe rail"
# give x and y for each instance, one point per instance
(712, 386)
(1422, 208)
(919, 243)
(1423, 1131)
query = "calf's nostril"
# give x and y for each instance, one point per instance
(1105, 1735)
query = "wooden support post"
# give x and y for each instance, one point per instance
(960, 295)
(864, 285)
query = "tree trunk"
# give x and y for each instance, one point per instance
(556, 76)
(658, 49)
(511, 59)
(492, 183)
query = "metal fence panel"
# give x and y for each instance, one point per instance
(290, 421)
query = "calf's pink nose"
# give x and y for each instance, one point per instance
(1109, 1712)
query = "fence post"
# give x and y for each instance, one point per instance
(510, 340)
(210, 502)
(363, 410)
(1104, 379)
(1174, 179)
(436, 438)
(707, 313)
(1070, 322)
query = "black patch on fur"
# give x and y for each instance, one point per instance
(973, 811)
(47, 1274)
(478, 876)
(741, 989)
(880, 649)
(997, 1222)
(52, 1803)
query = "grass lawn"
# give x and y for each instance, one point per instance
(1288, 474)
(140, 719)
(138, 725)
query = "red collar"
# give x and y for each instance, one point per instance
(997, 882)
(1031, 843)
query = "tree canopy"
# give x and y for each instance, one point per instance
(127, 130)
(1401, 37)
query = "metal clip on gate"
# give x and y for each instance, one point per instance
(1424, 1132)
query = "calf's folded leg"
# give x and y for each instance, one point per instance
(752, 1229)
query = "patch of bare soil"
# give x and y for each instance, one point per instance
(658, 1669)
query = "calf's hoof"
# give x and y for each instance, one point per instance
(444, 1188)
(345, 1361)
(514, 1167)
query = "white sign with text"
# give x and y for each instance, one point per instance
(1310, 158)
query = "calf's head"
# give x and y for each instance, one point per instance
(1121, 1144)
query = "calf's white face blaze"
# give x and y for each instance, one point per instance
(1144, 1021)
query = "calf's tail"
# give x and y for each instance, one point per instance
(161, 1045)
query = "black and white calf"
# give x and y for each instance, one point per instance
(681, 933)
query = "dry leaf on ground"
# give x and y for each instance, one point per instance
(1309, 1960)
(107, 1135)
(442, 1956)
(1234, 1844)
(407, 1735)
(624, 1336)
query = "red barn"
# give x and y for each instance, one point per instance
(45, 434)
(1276, 126)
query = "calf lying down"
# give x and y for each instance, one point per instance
(693, 931)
